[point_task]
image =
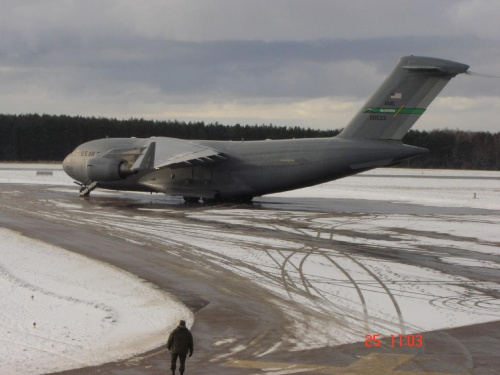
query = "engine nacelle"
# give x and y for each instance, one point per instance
(107, 169)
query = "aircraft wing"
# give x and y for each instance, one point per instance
(175, 153)
(159, 153)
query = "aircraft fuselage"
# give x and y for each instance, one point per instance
(252, 168)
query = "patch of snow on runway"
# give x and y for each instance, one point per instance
(356, 293)
(472, 234)
(474, 189)
(19, 173)
(61, 310)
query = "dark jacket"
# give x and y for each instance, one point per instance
(180, 341)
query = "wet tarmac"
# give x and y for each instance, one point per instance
(120, 229)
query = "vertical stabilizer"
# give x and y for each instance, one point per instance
(402, 99)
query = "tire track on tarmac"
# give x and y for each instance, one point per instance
(402, 324)
(321, 294)
(356, 286)
(399, 313)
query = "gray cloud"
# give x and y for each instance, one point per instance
(213, 20)
(242, 68)
(68, 57)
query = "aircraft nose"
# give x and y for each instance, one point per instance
(66, 161)
(68, 166)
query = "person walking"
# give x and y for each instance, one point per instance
(179, 344)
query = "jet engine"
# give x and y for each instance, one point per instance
(108, 169)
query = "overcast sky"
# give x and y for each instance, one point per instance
(310, 63)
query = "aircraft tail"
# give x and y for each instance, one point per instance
(402, 99)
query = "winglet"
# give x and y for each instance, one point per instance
(147, 159)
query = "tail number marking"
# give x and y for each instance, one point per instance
(377, 117)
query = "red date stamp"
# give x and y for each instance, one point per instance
(372, 341)
(397, 341)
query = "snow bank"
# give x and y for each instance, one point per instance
(61, 310)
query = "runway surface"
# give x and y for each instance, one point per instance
(293, 285)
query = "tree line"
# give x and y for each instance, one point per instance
(455, 149)
(33, 137)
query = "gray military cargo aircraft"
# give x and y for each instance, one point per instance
(241, 170)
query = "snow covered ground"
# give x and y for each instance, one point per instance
(39, 174)
(61, 310)
(302, 258)
(442, 188)
(369, 293)
(430, 187)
